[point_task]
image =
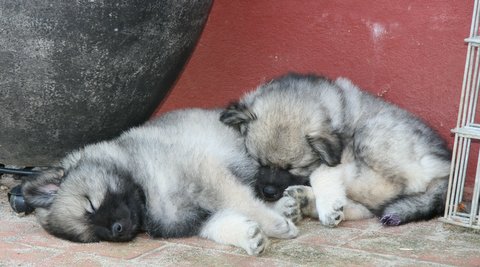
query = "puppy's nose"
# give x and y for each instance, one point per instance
(270, 191)
(117, 228)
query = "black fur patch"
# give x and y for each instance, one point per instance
(126, 206)
(270, 183)
(236, 115)
(328, 148)
(120, 216)
(190, 225)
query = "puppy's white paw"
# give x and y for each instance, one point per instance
(281, 228)
(331, 215)
(255, 241)
(289, 207)
(233, 228)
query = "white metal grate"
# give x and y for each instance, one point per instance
(462, 206)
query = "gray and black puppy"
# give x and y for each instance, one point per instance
(182, 174)
(362, 155)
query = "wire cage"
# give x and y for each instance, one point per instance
(462, 205)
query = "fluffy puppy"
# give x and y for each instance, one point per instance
(179, 175)
(362, 154)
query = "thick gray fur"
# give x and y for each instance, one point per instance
(182, 174)
(363, 155)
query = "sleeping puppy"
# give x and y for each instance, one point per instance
(361, 154)
(182, 174)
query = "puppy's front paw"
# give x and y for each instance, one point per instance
(287, 229)
(298, 192)
(305, 199)
(281, 228)
(289, 207)
(255, 240)
(331, 215)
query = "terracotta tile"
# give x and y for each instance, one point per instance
(83, 259)
(328, 236)
(414, 228)
(427, 241)
(180, 255)
(372, 224)
(20, 254)
(43, 239)
(10, 229)
(325, 255)
(202, 243)
(68, 259)
(127, 250)
(352, 243)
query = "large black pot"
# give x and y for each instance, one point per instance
(76, 72)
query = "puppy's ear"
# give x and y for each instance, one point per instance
(40, 190)
(329, 147)
(237, 115)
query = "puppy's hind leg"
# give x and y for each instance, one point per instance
(232, 228)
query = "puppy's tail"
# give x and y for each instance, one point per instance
(416, 207)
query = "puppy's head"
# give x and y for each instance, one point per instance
(87, 203)
(270, 183)
(290, 123)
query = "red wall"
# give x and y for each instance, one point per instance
(410, 52)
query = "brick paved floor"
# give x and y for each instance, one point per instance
(359, 243)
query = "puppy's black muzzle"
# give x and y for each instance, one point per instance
(270, 183)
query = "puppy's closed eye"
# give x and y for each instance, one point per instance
(90, 207)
